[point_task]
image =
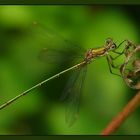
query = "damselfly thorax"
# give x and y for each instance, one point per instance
(91, 54)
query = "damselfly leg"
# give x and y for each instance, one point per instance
(111, 59)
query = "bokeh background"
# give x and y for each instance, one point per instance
(41, 112)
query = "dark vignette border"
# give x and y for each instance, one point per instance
(77, 2)
(66, 2)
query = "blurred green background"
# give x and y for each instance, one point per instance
(41, 112)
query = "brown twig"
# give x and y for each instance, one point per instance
(122, 116)
(132, 79)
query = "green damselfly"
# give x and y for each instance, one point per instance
(75, 83)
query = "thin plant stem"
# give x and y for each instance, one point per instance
(122, 116)
(39, 84)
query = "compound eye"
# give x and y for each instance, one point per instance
(108, 40)
(113, 46)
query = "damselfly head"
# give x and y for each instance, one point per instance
(113, 46)
(109, 41)
(110, 45)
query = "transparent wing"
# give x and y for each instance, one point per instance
(72, 94)
(57, 49)
(53, 44)
(58, 56)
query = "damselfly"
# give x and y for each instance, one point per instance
(73, 92)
